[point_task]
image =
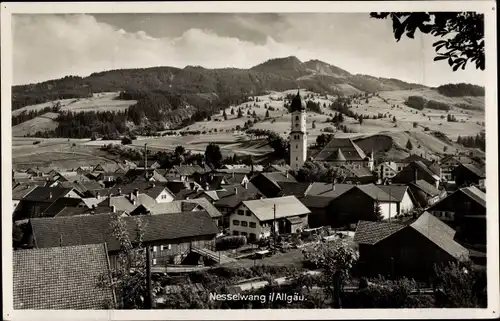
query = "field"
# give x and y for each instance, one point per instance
(410, 124)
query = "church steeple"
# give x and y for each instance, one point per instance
(298, 134)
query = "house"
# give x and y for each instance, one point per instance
(401, 194)
(84, 169)
(170, 236)
(144, 175)
(464, 210)
(19, 192)
(425, 194)
(359, 203)
(344, 151)
(35, 203)
(151, 163)
(85, 188)
(387, 170)
(357, 175)
(256, 218)
(159, 192)
(468, 174)
(267, 183)
(450, 162)
(415, 171)
(228, 199)
(109, 168)
(284, 168)
(410, 250)
(415, 158)
(191, 205)
(184, 172)
(62, 278)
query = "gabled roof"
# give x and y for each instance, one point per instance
(349, 150)
(20, 191)
(473, 169)
(286, 206)
(475, 194)
(47, 194)
(151, 189)
(294, 188)
(368, 232)
(279, 168)
(315, 201)
(395, 192)
(121, 203)
(426, 187)
(427, 225)
(416, 158)
(234, 195)
(188, 170)
(62, 278)
(328, 189)
(358, 172)
(374, 192)
(62, 202)
(440, 234)
(92, 229)
(108, 168)
(206, 205)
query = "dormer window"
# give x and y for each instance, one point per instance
(296, 117)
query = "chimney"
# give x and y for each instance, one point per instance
(235, 190)
(333, 185)
(136, 192)
(50, 195)
(286, 173)
(245, 185)
(97, 195)
(153, 185)
(232, 174)
(119, 191)
(113, 208)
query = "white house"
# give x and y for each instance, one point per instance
(387, 170)
(254, 218)
(399, 198)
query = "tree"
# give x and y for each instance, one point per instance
(323, 139)
(314, 124)
(129, 276)
(337, 260)
(445, 149)
(393, 119)
(224, 114)
(232, 111)
(180, 150)
(254, 114)
(240, 113)
(126, 141)
(267, 114)
(409, 145)
(213, 155)
(360, 119)
(341, 118)
(377, 212)
(463, 31)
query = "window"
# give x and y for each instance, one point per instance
(241, 212)
(253, 237)
(297, 146)
(244, 223)
(244, 233)
(161, 247)
(296, 117)
(248, 213)
(296, 125)
(253, 225)
(236, 222)
(163, 196)
(296, 158)
(169, 246)
(236, 233)
(154, 248)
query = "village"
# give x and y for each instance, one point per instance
(195, 228)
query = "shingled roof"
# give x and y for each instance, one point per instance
(46, 194)
(62, 278)
(427, 225)
(93, 229)
(286, 206)
(341, 149)
(426, 187)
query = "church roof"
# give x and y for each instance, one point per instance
(297, 103)
(339, 148)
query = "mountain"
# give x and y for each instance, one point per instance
(170, 97)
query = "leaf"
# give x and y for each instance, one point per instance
(455, 68)
(440, 58)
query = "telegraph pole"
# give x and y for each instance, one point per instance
(274, 226)
(146, 160)
(148, 304)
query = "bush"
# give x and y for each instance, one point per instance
(126, 141)
(432, 104)
(329, 130)
(416, 102)
(230, 242)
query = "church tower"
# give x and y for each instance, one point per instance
(298, 134)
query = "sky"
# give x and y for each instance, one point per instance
(53, 46)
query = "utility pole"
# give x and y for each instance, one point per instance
(390, 204)
(148, 304)
(274, 226)
(146, 160)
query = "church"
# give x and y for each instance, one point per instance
(339, 151)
